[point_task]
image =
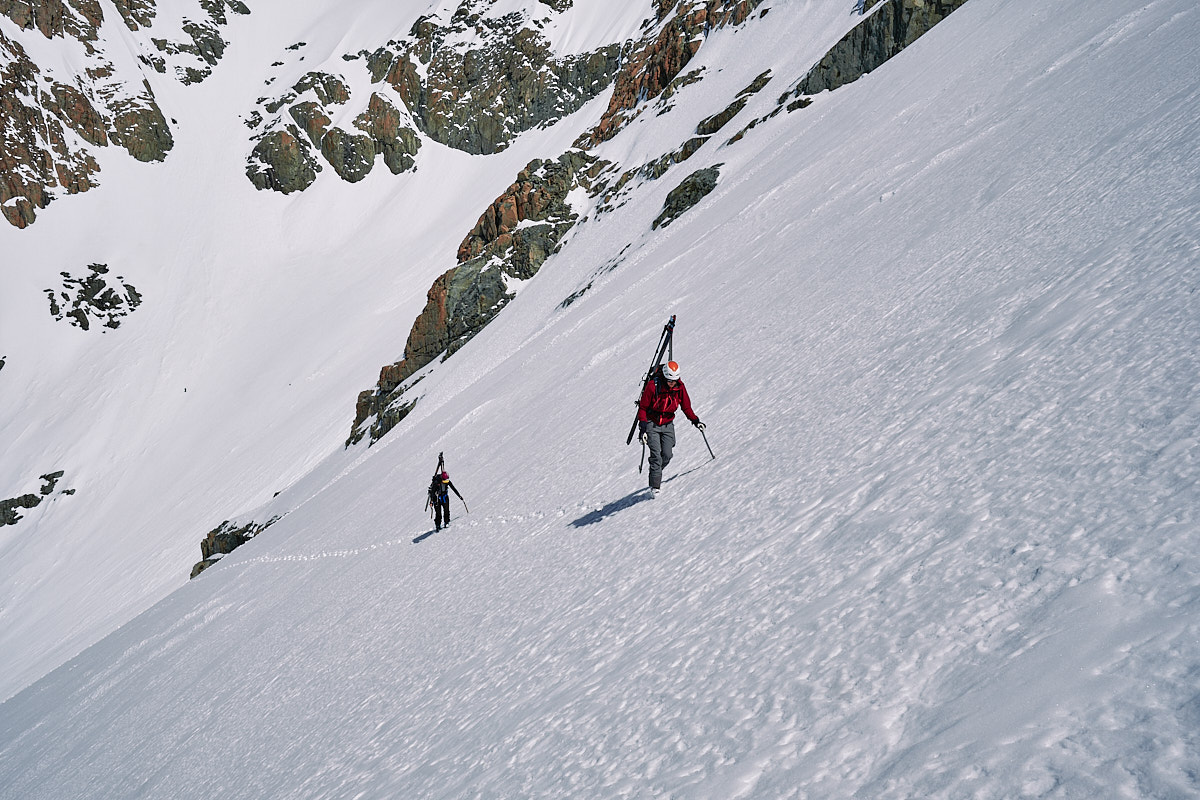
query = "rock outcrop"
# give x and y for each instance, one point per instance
(478, 98)
(502, 247)
(9, 514)
(881, 35)
(656, 61)
(44, 127)
(52, 18)
(136, 13)
(224, 539)
(385, 128)
(138, 125)
(689, 192)
(93, 297)
(610, 193)
(284, 159)
(888, 27)
(281, 161)
(194, 58)
(474, 82)
(49, 129)
(51, 126)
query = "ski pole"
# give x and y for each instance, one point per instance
(643, 461)
(706, 444)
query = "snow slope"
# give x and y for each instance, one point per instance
(943, 327)
(263, 317)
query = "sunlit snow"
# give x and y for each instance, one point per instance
(943, 327)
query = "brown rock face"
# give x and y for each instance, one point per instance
(139, 126)
(35, 154)
(48, 128)
(55, 18)
(539, 192)
(281, 161)
(81, 116)
(656, 62)
(467, 297)
(311, 119)
(383, 125)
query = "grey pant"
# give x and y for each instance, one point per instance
(661, 441)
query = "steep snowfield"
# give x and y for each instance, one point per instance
(944, 329)
(263, 317)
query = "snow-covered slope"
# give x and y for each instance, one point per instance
(943, 327)
(262, 318)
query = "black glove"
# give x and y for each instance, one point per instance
(699, 425)
(642, 428)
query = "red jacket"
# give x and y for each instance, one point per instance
(659, 402)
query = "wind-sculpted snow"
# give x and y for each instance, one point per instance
(942, 329)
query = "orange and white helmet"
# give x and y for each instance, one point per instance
(671, 371)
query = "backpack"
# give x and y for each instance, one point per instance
(437, 489)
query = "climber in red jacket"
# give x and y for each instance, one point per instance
(662, 396)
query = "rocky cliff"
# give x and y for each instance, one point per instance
(473, 81)
(658, 58)
(52, 124)
(501, 249)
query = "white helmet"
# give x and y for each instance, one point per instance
(671, 371)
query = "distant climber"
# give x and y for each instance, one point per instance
(662, 395)
(439, 498)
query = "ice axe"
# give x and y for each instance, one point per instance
(706, 444)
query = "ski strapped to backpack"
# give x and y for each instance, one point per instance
(428, 496)
(441, 467)
(666, 345)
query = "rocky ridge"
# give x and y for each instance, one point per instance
(51, 126)
(465, 298)
(500, 248)
(675, 34)
(45, 127)
(473, 82)
(503, 248)
(889, 27)
(690, 191)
